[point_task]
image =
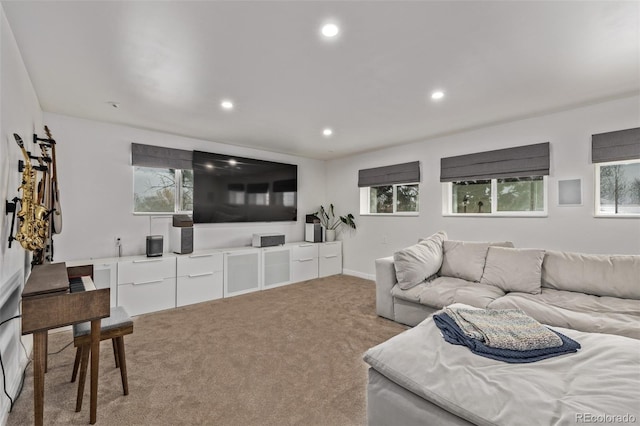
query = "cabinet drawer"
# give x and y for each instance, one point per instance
(150, 297)
(200, 288)
(330, 266)
(199, 263)
(145, 270)
(304, 251)
(304, 269)
(330, 249)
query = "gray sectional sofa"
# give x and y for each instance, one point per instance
(585, 292)
(416, 378)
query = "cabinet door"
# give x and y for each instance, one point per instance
(144, 297)
(330, 259)
(304, 251)
(199, 287)
(241, 272)
(105, 276)
(276, 267)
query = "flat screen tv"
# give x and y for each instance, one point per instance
(227, 188)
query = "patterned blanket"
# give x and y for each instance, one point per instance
(453, 334)
(504, 328)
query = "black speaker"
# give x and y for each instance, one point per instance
(154, 245)
(182, 240)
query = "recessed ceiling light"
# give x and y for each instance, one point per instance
(330, 30)
(209, 166)
(232, 162)
(226, 104)
(327, 132)
(114, 104)
(438, 94)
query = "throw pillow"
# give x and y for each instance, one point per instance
(512, 269)
(463, 259)
(419, 262)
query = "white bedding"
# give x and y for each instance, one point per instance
(602, 379)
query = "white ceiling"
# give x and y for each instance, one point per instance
(169, 65)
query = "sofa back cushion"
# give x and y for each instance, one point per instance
(465, 259)
(417, 263)
(512, 269)
(600, 275)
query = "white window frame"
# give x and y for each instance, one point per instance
(596, 190)
(365, 205)
(447, 200)
(177, 194)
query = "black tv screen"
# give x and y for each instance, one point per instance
(228, 188)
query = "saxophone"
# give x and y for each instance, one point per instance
(32, 216)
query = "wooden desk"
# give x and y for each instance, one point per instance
(47, 304)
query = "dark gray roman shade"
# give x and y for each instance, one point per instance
(615, 146)
(388, 175)
(158, 156)
(521, 161)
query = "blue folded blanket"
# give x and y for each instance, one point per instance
(453, 334)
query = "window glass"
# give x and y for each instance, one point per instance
(187, 191)
(154, 189)
(407, 198)
(381, 199)
(524, 194)
(473, 196)
(619, 188)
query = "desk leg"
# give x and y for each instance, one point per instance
(95, 357)
(39, 360)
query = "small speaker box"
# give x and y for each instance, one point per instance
(267, 240)
(154, 245)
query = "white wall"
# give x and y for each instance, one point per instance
(565, 228)
(96, 191)
(19, 113)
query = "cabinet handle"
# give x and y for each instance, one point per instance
(305, 245)
(331, 255)
(193, 256)
(200, 275)
(148, 282)
(306, 260)
(147, 260)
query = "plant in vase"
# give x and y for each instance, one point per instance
(331, 223)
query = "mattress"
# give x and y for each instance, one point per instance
(600, 381)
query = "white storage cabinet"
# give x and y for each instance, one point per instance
(147, 284)
(200, 277)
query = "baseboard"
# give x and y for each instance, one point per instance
(359, 274)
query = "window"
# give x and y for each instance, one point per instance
(160, 190)
(618, 188)
(390, 199)
(514, 196)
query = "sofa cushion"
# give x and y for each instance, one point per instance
(444, 291)
(465, 259)
(417, 263)
(411, 295)
(600, 275)
(512, 269)
(576, 310)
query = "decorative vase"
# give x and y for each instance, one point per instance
(330, 235)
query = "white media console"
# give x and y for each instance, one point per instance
(147, 284)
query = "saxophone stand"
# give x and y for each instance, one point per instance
(12, 207)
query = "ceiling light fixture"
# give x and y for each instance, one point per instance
(232, 162)
(438, 94)
(226, 104)
(327, 132)
(114, 104)
(330, 30)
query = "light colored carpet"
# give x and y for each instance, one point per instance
(287, 356)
